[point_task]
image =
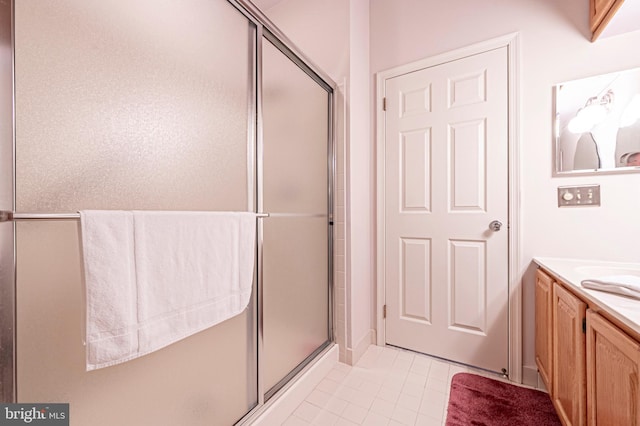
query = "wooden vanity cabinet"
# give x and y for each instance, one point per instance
(569, 364)
(591, 364)
(543, 327)
(613, 365)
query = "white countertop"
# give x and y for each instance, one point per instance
(573, 271)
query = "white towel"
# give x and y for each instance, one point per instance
(627, 285)
(153, 278)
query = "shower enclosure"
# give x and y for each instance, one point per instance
(160, 105)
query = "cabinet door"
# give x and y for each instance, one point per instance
(613, 361)
(569, 376)
(544, 334)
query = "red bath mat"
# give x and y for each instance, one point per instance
(477, 400)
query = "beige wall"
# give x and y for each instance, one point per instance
(314, 26)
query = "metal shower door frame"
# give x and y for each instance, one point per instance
(261, 28)
(7, 202)
(265, 29)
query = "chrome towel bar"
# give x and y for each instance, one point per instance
(8, 216)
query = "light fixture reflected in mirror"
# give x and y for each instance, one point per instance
(631, 159)
(594, 130)
(593, 113)
(631, 113)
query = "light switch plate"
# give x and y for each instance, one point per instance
(584, 195)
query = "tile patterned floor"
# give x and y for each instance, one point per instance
(388, 386)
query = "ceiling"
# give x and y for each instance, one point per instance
(627, 19)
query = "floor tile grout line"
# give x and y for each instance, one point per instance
(388, 362)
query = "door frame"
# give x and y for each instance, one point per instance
(511, 41)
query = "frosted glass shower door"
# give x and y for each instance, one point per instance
(123, 104)
(295, 236)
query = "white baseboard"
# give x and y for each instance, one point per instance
(530, 376)
(353, 355)
(285, 404)
(541, 384)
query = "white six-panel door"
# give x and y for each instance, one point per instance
(446, 180)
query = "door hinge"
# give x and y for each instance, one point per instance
(384, 104)
(384, 311)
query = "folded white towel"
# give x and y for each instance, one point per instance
(153, 278)
(110, 286)
(627, 285)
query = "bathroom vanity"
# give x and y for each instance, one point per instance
(587, 343)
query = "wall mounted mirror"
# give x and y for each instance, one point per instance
(597, 124)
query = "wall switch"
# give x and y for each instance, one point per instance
(585, 195)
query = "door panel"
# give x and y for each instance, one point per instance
(468, 286)
(108, 113)
(446, 179)
(295, 171)
(613, 382)
(416, 171)
(467, 146)
(120, 108)
(543, 327)
(295, 293)
(569, 364)
(416, 284)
